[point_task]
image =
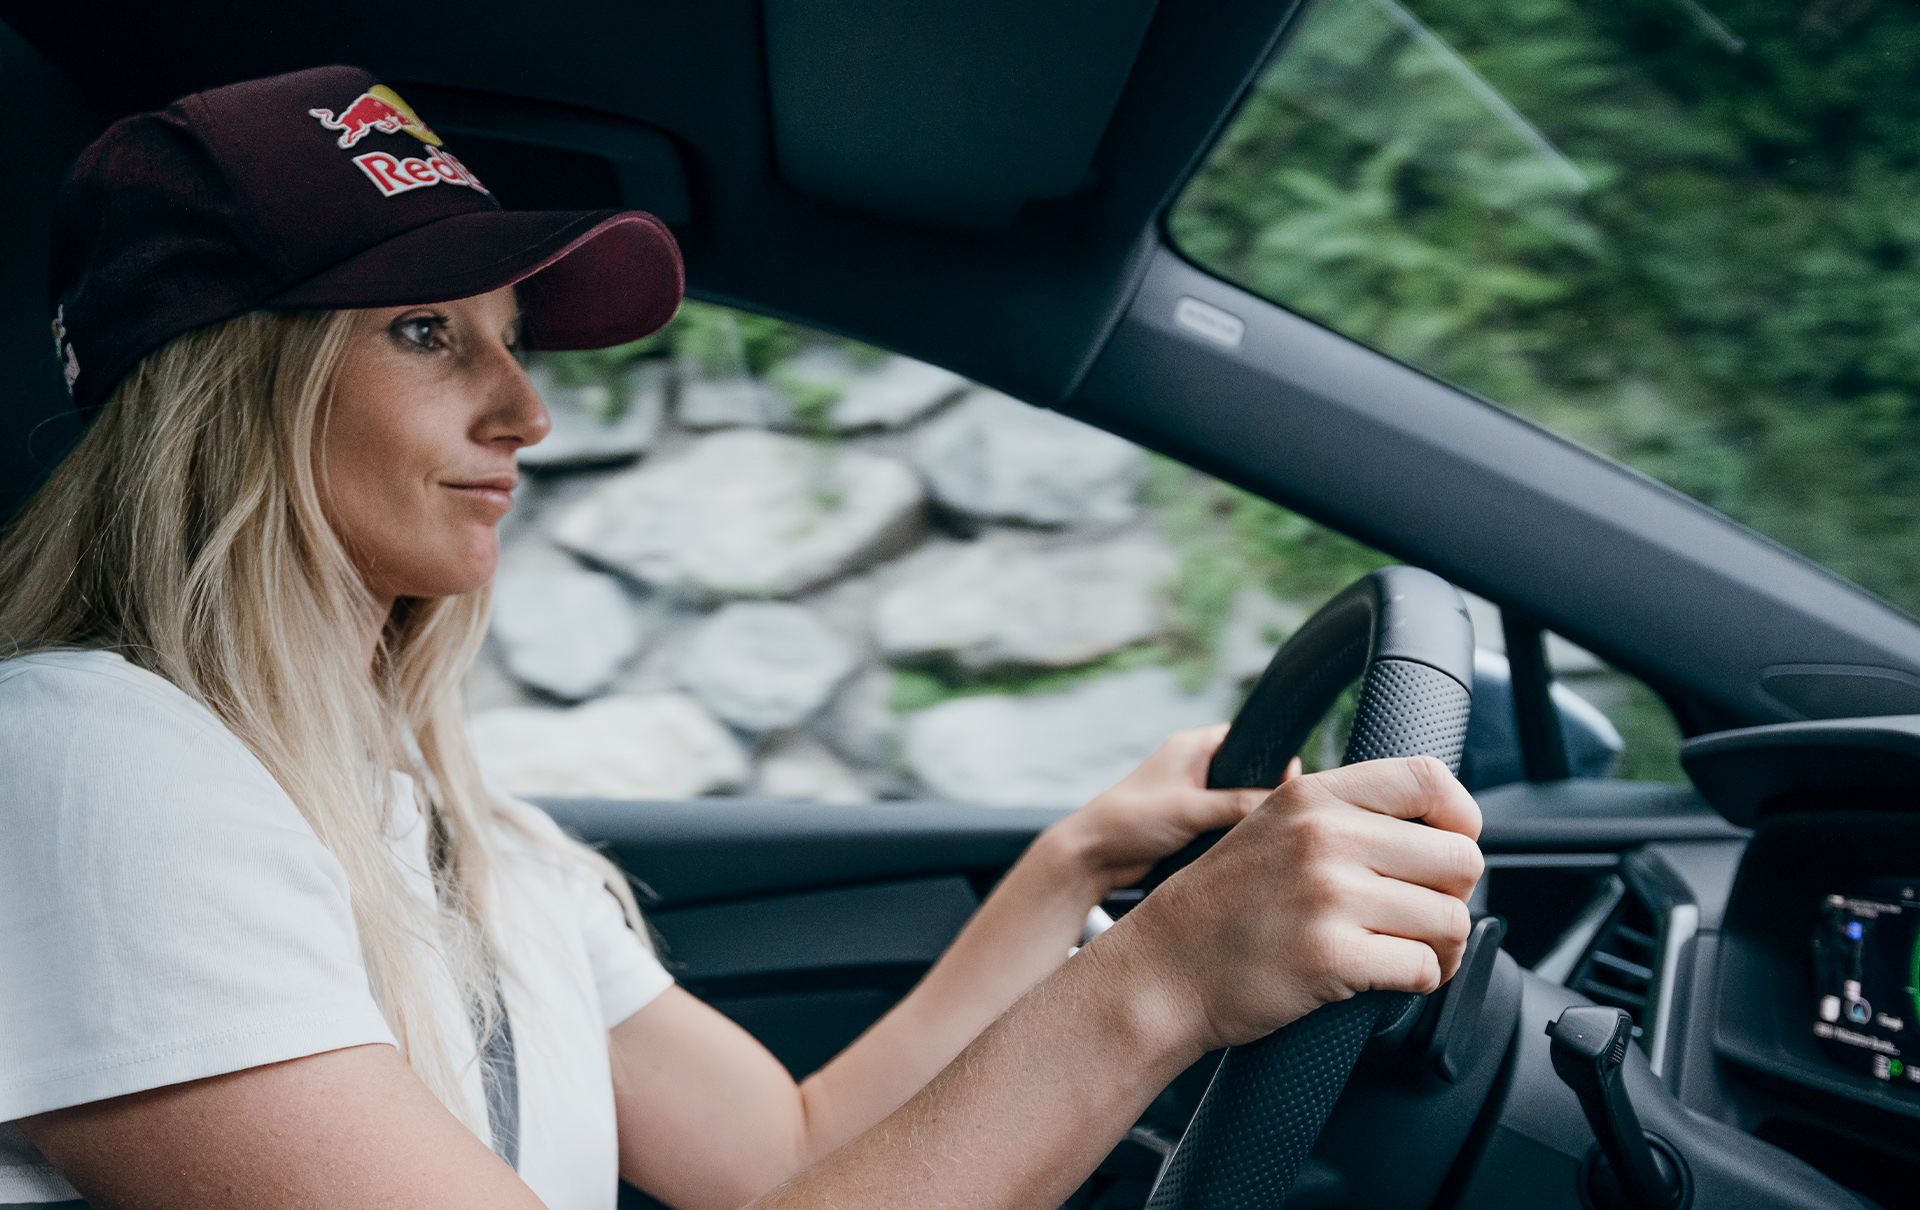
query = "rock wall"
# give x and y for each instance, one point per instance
(714, 584)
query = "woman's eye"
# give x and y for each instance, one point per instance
(423, 332)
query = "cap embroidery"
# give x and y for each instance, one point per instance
(379, 108)
(395, 175)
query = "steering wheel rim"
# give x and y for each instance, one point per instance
(1405, 634)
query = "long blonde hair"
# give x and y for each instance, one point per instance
(185, 532)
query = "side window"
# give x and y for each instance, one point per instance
(758, 560)
(1678, 233)
(1649, 738)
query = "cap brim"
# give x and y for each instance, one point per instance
(589, 278)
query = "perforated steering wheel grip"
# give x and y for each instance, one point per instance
(1406, 635)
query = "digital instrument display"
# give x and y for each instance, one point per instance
(1866, 969)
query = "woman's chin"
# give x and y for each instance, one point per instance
(453, 576)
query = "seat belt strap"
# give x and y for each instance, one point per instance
(500, 1078)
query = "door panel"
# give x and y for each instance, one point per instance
(711, 850)
(806, 973)
(805, 923)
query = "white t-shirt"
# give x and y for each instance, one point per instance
(166, 914)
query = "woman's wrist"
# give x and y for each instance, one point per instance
(1149, 1000)
(1069, 858)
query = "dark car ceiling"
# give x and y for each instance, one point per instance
(977, 183)
(1022, 307)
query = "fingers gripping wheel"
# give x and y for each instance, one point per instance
(1405, 633)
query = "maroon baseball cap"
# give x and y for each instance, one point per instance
(320, 189)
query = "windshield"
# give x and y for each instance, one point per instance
(1681, 232)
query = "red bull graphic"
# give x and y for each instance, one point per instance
(395, 175)
(379, 108)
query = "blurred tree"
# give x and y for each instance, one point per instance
(1688, 238)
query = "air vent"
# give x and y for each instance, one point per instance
(1618, 968)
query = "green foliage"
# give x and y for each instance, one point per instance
(1652, 751)
(1700, 262)
(917, 688)
(1226, 540)
(593, 366)
(724, 341)
(810, 401)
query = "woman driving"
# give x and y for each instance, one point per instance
(267, 939)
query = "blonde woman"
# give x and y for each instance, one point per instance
(265, 937)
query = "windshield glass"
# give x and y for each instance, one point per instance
(1683, 232)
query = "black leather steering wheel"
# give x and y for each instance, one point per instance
(1406, 635)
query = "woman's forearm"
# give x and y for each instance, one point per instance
(1017, 938)
(1029, 1106)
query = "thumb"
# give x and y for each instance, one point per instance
(1206, 810)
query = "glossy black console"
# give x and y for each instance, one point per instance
(1778, 1013)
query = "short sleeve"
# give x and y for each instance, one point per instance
(625, 970)
(626, 974)
(166, 914)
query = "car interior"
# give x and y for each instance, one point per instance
(986, 187)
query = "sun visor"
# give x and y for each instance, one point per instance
(943, 113)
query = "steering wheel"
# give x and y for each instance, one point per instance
(1406, 635)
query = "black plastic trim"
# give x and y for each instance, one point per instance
(882, 925)
(1650, 580)
(1832, 763)
(1591, 815)
(706, 849)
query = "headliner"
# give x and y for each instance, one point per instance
(1023, 308)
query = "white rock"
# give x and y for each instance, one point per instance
(1011, 598)
(860, 723)
(566, 632)
(992, 456)
(663, 746)
(733, 401)
(1056, 749)
(747, 514)
(795, 766)
(764, 664)
(893, 394)
(1254, 630)
(489, 687)
(582, 435)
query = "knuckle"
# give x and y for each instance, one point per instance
(1475, 860)
(1427, 978)
(1326, 951)
(1319, 833)
(1429, 774)
(1322, 890)
(1467, 860)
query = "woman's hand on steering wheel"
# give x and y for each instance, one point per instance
(1340, 882)
(1154, 810)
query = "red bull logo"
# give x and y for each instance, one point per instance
(379, 108)
(395, 175)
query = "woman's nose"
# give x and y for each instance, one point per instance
(519, 414)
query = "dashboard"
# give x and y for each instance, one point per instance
(1807, 1021)
(1772, 969)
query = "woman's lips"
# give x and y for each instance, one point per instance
(496, 494)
